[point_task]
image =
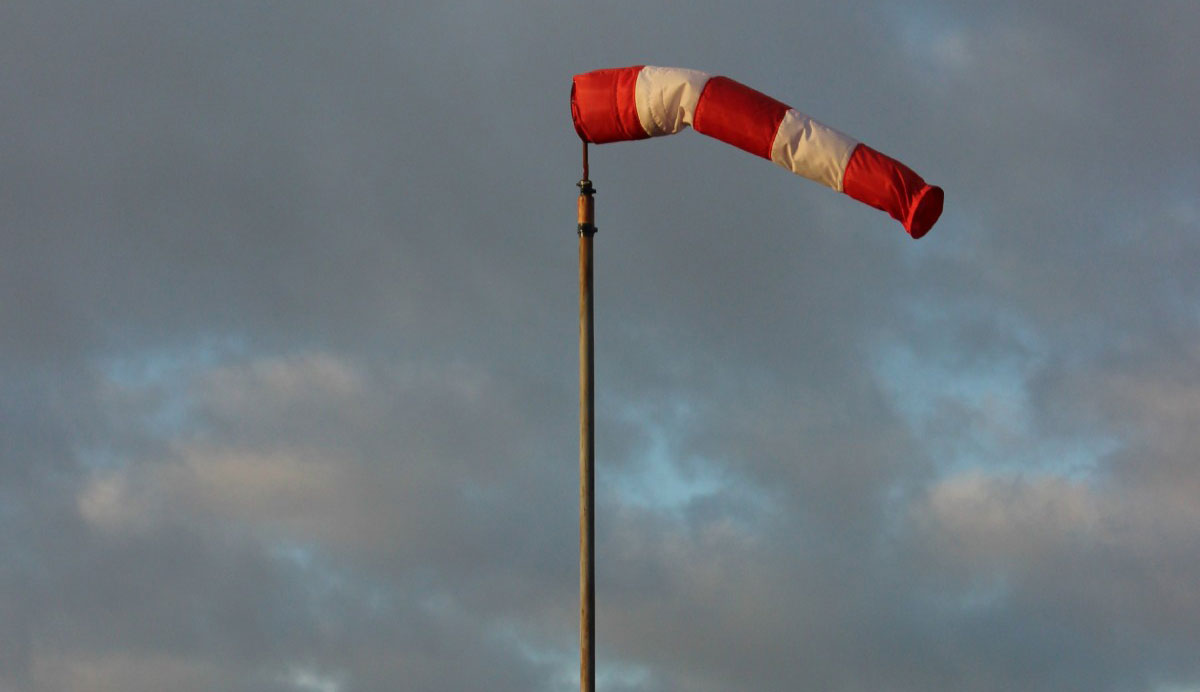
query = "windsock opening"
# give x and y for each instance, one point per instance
(630, 103)
(604, 106)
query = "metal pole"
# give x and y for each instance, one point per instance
(587, 439)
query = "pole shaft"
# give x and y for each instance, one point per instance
(587, 444)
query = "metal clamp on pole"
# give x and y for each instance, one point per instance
(587, 208)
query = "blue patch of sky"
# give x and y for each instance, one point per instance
(327, 583)
(166, 375)
(320, 578)
(562, 661)
(158, 384)
(659, 476)
(153, 366)
(655, 480)
(991, 394)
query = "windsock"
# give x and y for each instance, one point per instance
(642, 101)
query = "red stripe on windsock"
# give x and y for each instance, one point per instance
(604, 105)
(734, 113)
(885, 183)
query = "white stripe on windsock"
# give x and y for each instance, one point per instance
(666, 98)
(812, 150)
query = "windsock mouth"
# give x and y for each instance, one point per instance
(604, 105)
(576, 117)
(925, 211)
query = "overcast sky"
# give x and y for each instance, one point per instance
(288, 352)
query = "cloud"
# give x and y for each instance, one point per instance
(287, 395)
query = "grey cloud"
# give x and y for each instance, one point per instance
(287, 396)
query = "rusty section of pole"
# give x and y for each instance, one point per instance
(587, 440)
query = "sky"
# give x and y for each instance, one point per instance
(288, 352)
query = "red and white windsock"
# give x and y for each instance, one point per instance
(628, 103)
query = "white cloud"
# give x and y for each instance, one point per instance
(999, 519)
(284, 489)
(106, 503)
